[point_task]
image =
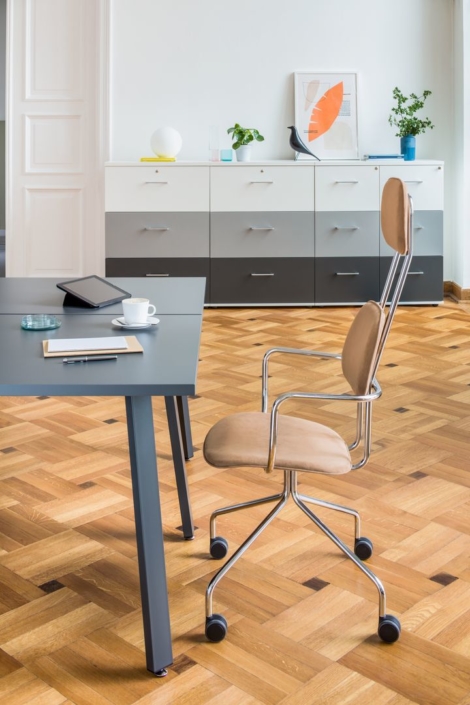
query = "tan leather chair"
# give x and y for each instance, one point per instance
(273, 441)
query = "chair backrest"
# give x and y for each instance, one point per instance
(361, 347)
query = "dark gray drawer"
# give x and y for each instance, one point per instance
(165, 267)
(157, 235)
(273, 234)
(347, 234)
(428, 235)
(273, 280)
(424, 283)
(346, 280)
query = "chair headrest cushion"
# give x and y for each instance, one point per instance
(395, 214)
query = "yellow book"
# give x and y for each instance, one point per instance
(158, 159)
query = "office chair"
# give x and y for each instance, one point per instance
(275, 441)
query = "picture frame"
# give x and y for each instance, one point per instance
(325, 105)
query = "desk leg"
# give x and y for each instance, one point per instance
(148, 525)
(185, 424)
(180, 467)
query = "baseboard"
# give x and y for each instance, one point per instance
(456, 291)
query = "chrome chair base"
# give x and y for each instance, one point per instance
(216, 625)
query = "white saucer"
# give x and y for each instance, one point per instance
(120, 322)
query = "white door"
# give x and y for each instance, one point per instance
(56, 68)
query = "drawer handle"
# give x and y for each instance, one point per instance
(417, 181)
(346, 227)
(252, 227)
(262, 274)
(350, 181)
(419, 227)
(155, 182)
(347, 274)
(156, 229)
(157, 275)
(261, 182)
(416, 273)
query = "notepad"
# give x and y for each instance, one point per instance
(132, 346)
(78, 344)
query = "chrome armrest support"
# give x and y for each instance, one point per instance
(286, 351)
(365, 398)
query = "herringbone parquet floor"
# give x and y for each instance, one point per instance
(302, 620)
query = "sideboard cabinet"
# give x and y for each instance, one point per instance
(272, 233)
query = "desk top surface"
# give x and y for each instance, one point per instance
(167, 367)
(175, 295)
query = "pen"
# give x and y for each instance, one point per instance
(93, 358)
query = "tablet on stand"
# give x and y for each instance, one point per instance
(91, 292)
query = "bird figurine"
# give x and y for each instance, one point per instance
(297, 144)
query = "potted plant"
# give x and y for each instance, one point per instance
(403, 117)
(242, 138)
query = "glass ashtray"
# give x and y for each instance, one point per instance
(40, 321)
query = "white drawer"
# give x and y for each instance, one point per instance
(347, 188)
(262, 188)
(425, 184)
(156, 188)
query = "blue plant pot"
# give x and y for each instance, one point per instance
(408, 148)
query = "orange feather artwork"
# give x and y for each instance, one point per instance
(325, 112)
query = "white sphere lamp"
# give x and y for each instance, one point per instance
(166, 142)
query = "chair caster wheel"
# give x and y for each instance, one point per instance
(389, 628)
(218, 547)
(216, 627)
(363, 548)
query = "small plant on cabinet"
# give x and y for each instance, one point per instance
(243, 136)
(403, 114)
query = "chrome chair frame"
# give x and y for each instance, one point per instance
(363, 433)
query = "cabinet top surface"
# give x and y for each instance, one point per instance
(287, 162)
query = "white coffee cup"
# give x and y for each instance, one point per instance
(137, 310)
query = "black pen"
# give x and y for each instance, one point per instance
(92, 358)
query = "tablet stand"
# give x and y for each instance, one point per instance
(71, 300)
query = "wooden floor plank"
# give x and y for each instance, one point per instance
(302, 618)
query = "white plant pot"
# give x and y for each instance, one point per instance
(243, 153)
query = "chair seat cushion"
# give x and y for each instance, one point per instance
(242, 440)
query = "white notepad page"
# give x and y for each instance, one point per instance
(74, 344)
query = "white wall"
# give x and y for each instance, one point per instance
(196, 63)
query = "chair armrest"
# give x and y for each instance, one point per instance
(286, 351)
(372, 396)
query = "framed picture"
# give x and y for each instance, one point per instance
(326, 114)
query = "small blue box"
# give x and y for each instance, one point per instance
(226, 155)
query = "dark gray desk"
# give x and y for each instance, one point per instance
(167, 368)
(176, 295)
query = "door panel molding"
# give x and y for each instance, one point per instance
(46, 77)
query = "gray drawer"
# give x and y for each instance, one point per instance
(346, 280)
(165, 267)
(347, 233)
(262, 281)
(157, 235)
(281, 234)
(428, 235)
(424, 283)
